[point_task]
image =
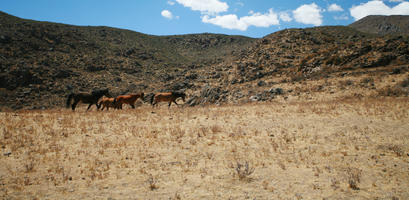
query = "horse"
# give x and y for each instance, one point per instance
(87, 98)
(127, 99)
(107, 103)
(167, 97)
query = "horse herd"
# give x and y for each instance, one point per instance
(117, 102)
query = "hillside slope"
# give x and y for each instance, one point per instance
(321, 51)
(383, 25)
(318, 63)
(47, 60)
(42, 62)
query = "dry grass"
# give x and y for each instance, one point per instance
(355, 149)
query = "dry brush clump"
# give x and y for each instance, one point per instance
(354, 177)
(243, 170)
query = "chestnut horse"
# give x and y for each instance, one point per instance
(128, 99)
(86, 98)
(167, 97)
(107, 103)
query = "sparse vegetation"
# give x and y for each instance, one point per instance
(296, 149)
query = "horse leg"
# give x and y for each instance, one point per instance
(174, 101)
(170, 102)
(133, 106)
(89, 106)
(74, 104)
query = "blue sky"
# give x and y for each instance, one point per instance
(253, 18)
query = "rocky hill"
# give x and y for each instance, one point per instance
(41, 62)
(324, 60)
(383, 25)
(320, 51)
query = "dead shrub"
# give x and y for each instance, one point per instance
(397, 150)
(152, 183)
(243, 170)
(29, 167)
(368, 81)
(404, 83)
(400, 89)
(297, 77)
(392, 147)
(392, 92)
(345, 83)
(354, 177)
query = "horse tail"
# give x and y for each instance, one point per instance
(69, 100)
(152, 97)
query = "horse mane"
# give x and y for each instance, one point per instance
(100, 91)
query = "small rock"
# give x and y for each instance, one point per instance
(254, 98)
(261, 83)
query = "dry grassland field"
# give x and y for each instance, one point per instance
(351, 149)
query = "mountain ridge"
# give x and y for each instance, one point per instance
(383, 25)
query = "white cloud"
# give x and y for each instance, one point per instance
(396, 0)
(167, 14)
(285, 16)
(231, 21)
(335, 8)
(308, 14)
(171, 2)
(205, 6)
(376, 7)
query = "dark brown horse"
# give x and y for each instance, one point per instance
(167, 97)
(107, 103)
(127, 99)
(87, 98)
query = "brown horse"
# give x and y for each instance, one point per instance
(86, 98)
(107, 103)
(167, 97)
(127, 99)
